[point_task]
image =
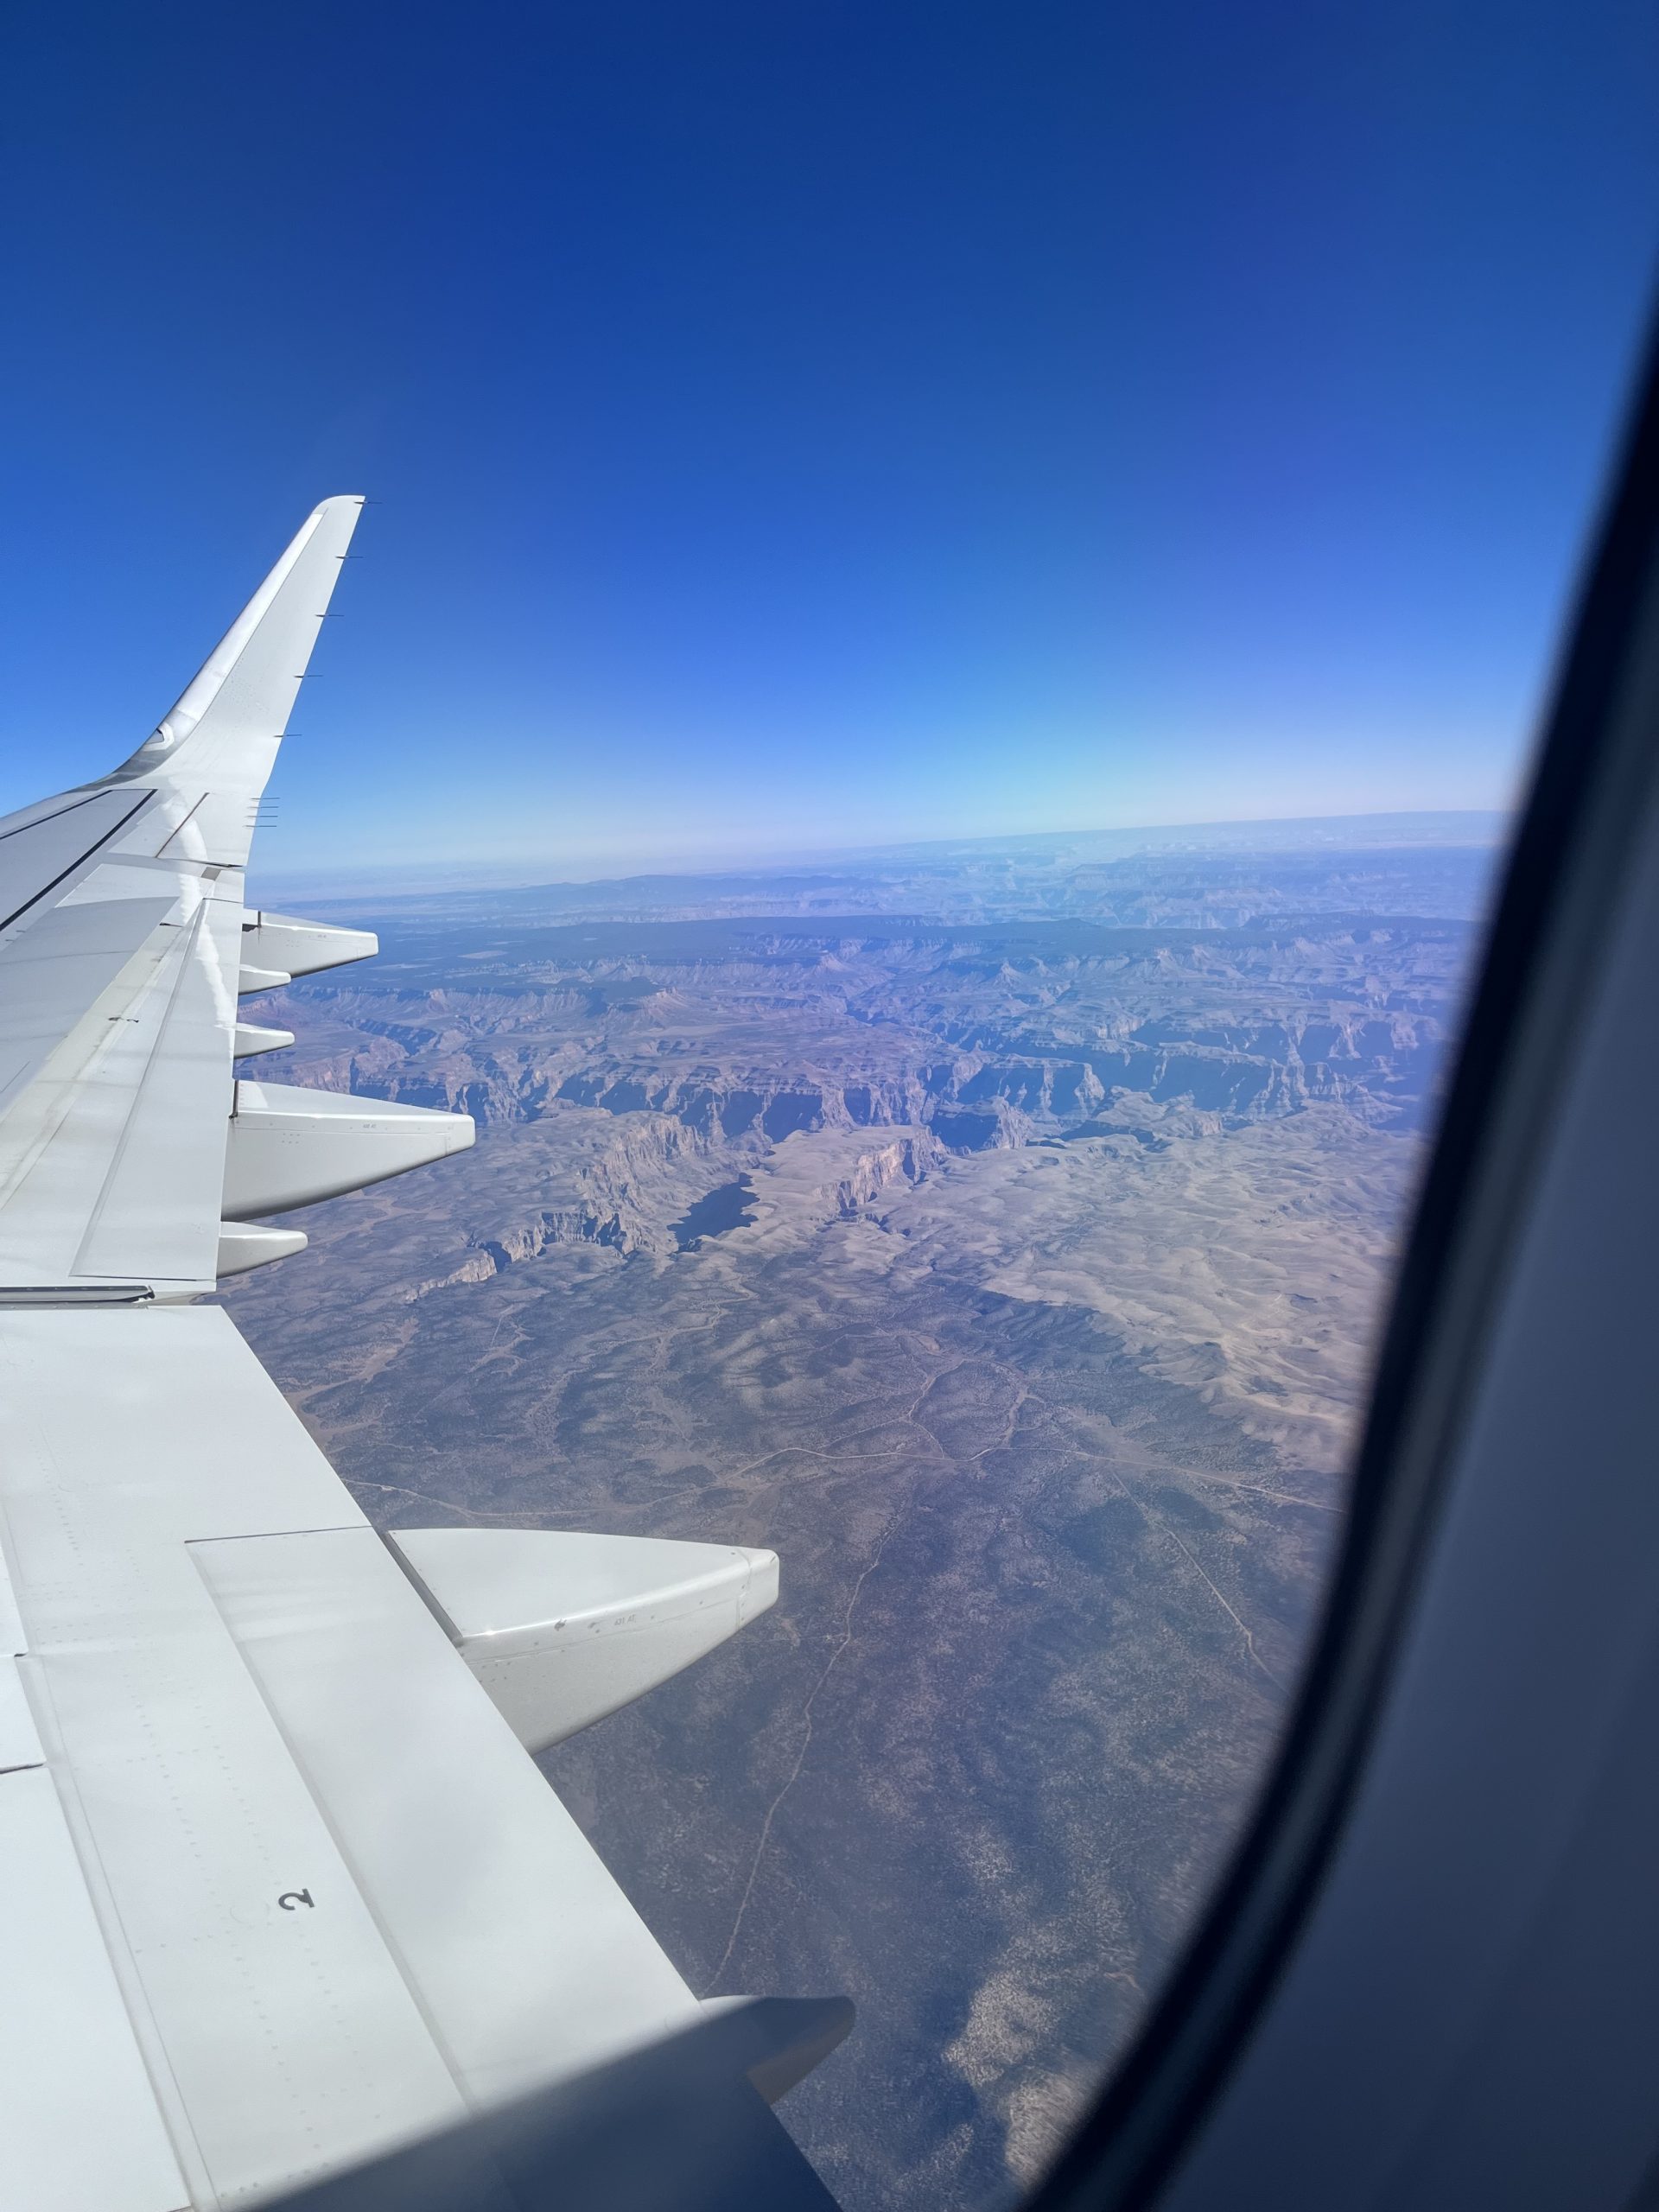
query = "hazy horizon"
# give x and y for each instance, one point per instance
(1382, 828)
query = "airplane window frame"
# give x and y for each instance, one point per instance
(1574, 849)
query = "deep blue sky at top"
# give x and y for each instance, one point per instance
(807, 424)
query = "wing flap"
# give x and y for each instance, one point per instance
(279, 2041)
(344, 1909)
(526, 1954)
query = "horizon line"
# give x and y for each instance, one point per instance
(473, 871)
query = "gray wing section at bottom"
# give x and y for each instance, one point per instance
(680, 2127)
(340, 1908)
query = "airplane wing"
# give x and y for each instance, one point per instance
(282, 1888)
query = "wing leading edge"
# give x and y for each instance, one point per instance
(282, 1888)
(122, 955)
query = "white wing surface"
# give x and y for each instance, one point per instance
(280, 1887)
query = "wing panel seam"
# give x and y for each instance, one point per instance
(35, 898)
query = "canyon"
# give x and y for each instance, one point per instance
(1002, 1233)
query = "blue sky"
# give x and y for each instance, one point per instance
(802, 425)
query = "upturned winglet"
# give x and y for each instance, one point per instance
(230, 717)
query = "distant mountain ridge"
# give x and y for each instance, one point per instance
(692, 890)
(1224, 876)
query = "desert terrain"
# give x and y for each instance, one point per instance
(999, 1233)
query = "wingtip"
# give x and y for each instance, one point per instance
(332, 521)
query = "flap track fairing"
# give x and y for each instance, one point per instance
(562, 1628)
